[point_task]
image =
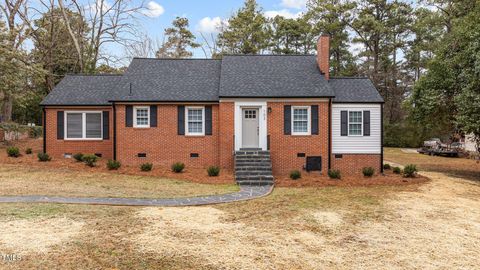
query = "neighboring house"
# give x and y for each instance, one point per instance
(203, 112)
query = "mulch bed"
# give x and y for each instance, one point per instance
(198, 175)
(317, 180)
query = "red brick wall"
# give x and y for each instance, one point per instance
(323, 55)
(284, 148)
(227, 132)
(57, 148)
(352, 164)
(162, 144)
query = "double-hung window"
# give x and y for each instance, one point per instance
(355, 122)
(301, 120)
(141, 117)
(83, 125)
(195, 121)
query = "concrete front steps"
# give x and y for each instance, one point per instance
(253, 167)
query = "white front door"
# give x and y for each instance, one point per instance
(250, 127)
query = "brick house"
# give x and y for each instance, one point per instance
(282, 110)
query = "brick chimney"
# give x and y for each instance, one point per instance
(323, 55)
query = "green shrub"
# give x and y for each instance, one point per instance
(397, 170)
(213, 171)
(90, 160)
(295, 174)
(146, 167)
(13, 151)
(28, 151)
(43, 157)
(78, 157)
(334, 174)
(410, 170)
(113, 164)
(368, 171)
(178, 167)
(387, 166)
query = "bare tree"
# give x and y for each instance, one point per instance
(209, 45)
(109, 23)
(145, 47)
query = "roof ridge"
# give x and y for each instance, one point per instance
(349, 77)
(298, 54)
(97, 75)
(185, 59)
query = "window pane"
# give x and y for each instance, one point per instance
(300, 126)
(74, 125)
(195, 121)
(142, 116)
(355, 129)
(355, 117)
(300, 120)
(355, 123)
(94, 125)
(300, 114)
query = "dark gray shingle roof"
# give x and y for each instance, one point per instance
(84, 90)
(355, 90)
(171, 80)
(272, 76)
(209, 80)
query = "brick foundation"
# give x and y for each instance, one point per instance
(352, 164)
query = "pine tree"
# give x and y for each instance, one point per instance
(246, 32)
(179, 40)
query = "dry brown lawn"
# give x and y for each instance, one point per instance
(16, 180)
(456, 167)
(434, 225)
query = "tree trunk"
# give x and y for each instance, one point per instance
(7, 107)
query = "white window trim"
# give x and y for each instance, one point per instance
(361, 124)
(84, 126)
(135, 108)
(309, 121)
(187, 133)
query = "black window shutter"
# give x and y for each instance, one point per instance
(344, 123)
(314, 116)
(129, 116)
(287, 119)
(60, 125)
(153, 116)
(366, 123)
(106, 125)
(208, 120)
(181, 120)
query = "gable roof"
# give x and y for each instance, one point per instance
(355, 89)
(171, 80)
(84, 90)
(207, 80)
(272, 76)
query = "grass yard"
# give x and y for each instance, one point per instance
(17, 180)
(456, 167)
(434, 225)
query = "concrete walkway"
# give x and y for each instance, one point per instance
(245, 193)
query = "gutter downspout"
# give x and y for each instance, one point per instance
(114, 131)
(381, 138)
(329, 133)
(44, 130)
